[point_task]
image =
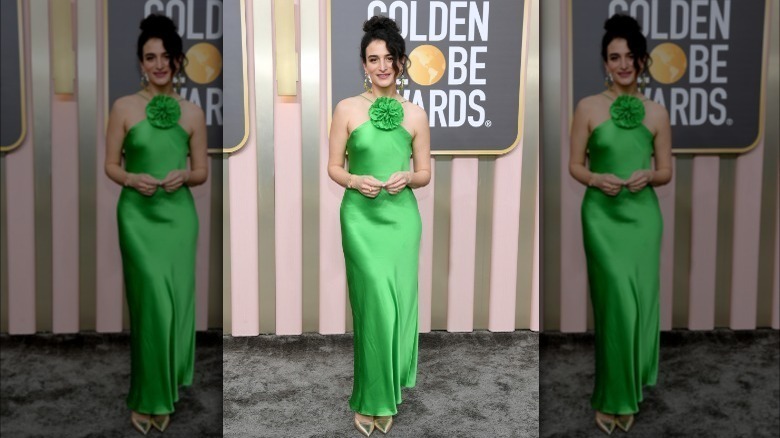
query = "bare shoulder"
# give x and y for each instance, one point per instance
(190, 111)
(414, 112)
(127, 103)
(655, 110)
(349, 104)
(592, 102)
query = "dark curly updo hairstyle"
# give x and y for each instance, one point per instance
(385, 29)
(162, 27)
(626, 27)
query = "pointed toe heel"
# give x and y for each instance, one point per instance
(161, 422)
(383, 424)
(364, 428)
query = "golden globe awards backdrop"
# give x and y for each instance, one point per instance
(200, 24)
(465, 67)
(12, 123)
(707, 67)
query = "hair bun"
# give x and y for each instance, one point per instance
(378, 22)
(157, 22)
(622, 23)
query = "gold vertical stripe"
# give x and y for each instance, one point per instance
(682, 241)
(310, 130)
(264, 122)
(86, 59)
(724, 255)
(529, 178)
(766, 251)
(214, 318)
(41, 93)
(442, 206)
(3, 247)
(550, 218)
(226, 285)
(484, 244)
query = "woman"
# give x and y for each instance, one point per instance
(380, 223)
(158, 224)
(622, 131)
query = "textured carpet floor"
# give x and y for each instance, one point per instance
(468, 385)
(710, 384)
(75, 386)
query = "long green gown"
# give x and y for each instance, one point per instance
(381, 241)
(622, 238)
(157, 238)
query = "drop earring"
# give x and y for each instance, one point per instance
(401, 79)
(366, 82)
(608, 80)
(144, 81)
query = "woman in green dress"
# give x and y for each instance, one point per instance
(623, 134)
(380, 223)
(158, 224)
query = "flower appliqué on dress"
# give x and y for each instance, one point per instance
(627, 111)
(386, 113)
(163, 111)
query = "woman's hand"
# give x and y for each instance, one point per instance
(174, 180)
(639, 180)
(143, 183)
(398, 181)
(607, 183)
(366, 184)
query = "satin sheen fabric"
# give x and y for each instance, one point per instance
(381, 242)
(157, 237)
(622, 239)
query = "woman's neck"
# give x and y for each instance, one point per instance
(166, 90)
(630, 90)
(383, 92)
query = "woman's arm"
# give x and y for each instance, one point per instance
(420, 175)
(115, 135)
(578, 143)
(337, 147)
(662, 152)
(198, 172)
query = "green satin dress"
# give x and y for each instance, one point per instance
(381, 242)
(157, 238)
(622, 239)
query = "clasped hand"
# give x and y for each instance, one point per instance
(147, 184)
(370, 186)
(611, 185)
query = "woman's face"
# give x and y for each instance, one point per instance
(620, 63)
(379, 64)
(155, 62)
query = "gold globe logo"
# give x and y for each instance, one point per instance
(427, 65)
(669, 63)
(204, 63)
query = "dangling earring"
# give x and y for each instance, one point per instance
(178, 81)
(644, 81)
(401, 78)
(608, 80)
(366, 82)
(144, 81)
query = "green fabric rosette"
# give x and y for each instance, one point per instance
(386, 113)
(627, 111)
(163, 111)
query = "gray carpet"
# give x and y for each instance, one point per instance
(710, 384)
(75, 386)
(478, 384)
